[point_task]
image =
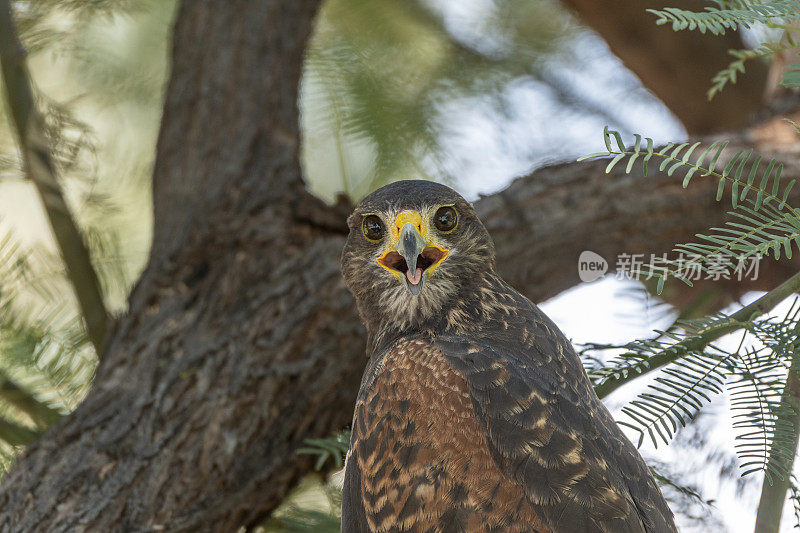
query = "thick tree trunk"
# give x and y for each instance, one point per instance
(241, 340)
(677, 66)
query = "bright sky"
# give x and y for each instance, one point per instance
(488, 151)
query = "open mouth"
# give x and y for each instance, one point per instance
(429, 256)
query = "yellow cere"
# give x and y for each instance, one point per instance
(407, 217)
(428, 236)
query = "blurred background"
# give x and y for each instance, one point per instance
(471, 93)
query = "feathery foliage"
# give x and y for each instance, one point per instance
(677, 395)
(736, 67)
(762, 223)
(755, 395)
(753, 375)
(731, 15)
(378, 76)
(728, 16)
(693, 369)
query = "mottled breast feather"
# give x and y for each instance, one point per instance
(419, 458)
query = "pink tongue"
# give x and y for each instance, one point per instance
(415, 278)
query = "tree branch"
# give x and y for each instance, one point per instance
(41, 170)
(774, 488)
(541, 223)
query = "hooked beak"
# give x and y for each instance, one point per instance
(410, 246)
(410, 256)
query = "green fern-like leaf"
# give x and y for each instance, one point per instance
(730, 73)
(780, 336)
(632, 361)
(44, 348)
(764, 432)
(754, 378)
(635, 356)
(718, 20)
(742, 174)
(676, 396)
(734, 250)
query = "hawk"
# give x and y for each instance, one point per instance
(474, 412)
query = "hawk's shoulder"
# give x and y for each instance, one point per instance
(548, 431)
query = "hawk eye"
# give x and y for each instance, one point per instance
(373, 228)
(446, 219)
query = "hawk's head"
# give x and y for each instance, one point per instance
(415, 249)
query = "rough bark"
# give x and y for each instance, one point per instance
(677, 66)
(241, 340)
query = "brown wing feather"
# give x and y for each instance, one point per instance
(549, 432)
(422, 457)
